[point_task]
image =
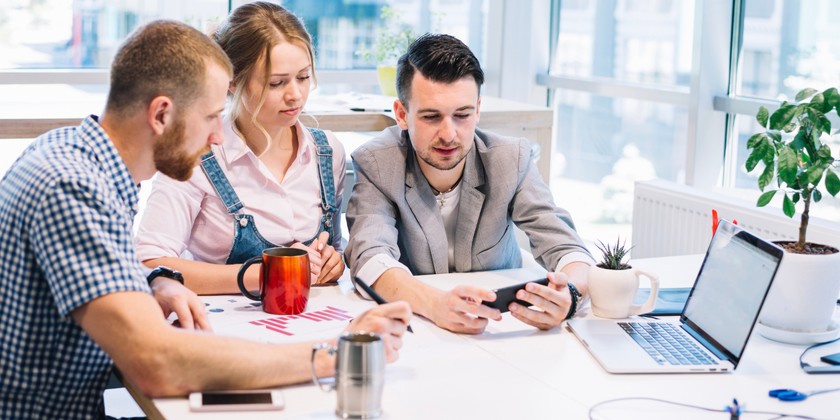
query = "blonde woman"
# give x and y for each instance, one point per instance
(272, 182)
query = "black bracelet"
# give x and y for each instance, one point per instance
(574, 293)
(161, 271)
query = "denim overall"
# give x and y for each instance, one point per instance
(247, 241)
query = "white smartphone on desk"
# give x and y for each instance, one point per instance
(252, 400)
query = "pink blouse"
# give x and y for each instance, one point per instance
(189, 216)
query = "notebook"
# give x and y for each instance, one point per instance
(715, 324)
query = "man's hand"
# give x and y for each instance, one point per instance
(554, 301)
(460, 309)
(389, 321)
(174, 297)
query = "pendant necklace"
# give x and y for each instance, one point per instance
(440, 196)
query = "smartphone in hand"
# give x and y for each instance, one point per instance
(506, 295)
(251, 400)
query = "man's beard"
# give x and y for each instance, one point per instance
(170, 157)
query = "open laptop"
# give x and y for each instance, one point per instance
(714, 326)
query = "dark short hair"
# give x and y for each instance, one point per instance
(438, 57)
(162, 58)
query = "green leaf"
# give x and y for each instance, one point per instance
(753, 141)
(782, 117)
(804, 93)
(766, 177)
(824, 155)
(788, 165)
(761, 149)
(788, 207)
(824, 124)
(806, 158)
(813, 174)
(752, 160)
(833, 98)
(765, 198)
(796, 197)
(762, 116)
(798, 141)
(819, 103)
(832, 182)
(817, 195)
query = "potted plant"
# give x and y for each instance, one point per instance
(798, 166)
(392, 40)
(613, 284)
(613, 257)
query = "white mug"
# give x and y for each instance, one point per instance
(612, 292)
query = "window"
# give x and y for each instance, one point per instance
(85, 34)
(55, 54)
(620, 74)
(623, 76)
(787, 45)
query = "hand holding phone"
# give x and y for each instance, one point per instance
(506, 295)
(252, 400)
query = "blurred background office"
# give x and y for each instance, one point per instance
(641, 89)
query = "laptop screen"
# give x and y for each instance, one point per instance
(731, 287)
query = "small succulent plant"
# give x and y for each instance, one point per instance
(614, 256)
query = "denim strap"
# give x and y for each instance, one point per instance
(220, 182)
(325, 172)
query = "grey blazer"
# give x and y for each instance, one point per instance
(392, 209)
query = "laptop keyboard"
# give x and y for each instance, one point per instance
(667, 343)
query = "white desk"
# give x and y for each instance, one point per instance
(515, 371)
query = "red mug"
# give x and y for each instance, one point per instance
(284, 280)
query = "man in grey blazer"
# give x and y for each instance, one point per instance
(434, 195)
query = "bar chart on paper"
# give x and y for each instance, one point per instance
(238, 316)
(287, 324)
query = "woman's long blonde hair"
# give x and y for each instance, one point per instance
(249, 33)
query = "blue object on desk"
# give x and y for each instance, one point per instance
(669, 301)
(794, 395)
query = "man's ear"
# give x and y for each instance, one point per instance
(401, 114)
(160, 114)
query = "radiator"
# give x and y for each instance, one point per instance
(673, 219)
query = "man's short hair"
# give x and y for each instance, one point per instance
(438, 57)
(162, 58)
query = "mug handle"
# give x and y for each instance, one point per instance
(240, 278)
(326, 387)
(654, 291)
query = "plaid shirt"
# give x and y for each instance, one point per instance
(66, 210)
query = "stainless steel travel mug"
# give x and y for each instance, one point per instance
(359, 375)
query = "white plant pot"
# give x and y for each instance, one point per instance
(803, 296)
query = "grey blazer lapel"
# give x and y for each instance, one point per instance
(470, 204)
(421, 201)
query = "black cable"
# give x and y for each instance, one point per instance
(734, 410)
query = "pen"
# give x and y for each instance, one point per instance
(375, 296)
(369, 110)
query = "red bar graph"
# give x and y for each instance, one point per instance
(282, 324)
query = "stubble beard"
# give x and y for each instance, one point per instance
(442, 164)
